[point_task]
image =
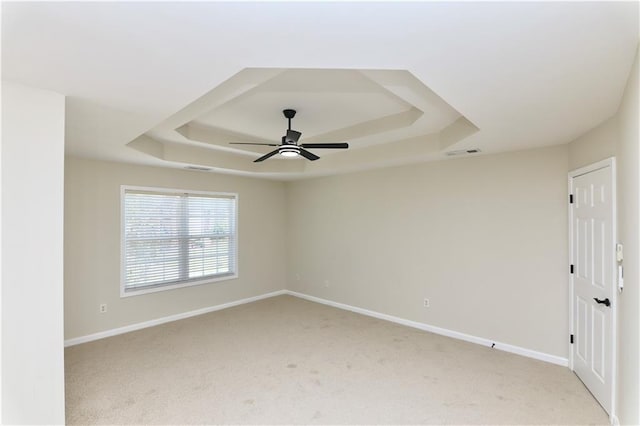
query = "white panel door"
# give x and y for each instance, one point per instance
(592, 216)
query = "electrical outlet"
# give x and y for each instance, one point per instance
(326, 283)
(103, 308)
(426, 303)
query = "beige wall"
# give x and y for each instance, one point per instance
(595, 145)
(485, 239)
(629, 234)
(92, 244)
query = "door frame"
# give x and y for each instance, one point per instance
(611, 163)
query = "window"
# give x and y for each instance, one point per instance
(173, 238)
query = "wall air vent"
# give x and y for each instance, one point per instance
(463, 152)
(202, 169)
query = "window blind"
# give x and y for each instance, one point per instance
(177, 238)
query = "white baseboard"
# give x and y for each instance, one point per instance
(437, 330)
(158, 321)
(426, 327)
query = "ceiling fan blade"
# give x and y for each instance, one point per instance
(252, 143)
(264, 157)
(308, 155)
(293, 136)
(340, 145)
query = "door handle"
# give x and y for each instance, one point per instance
(604, 302)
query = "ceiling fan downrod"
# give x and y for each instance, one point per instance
(289, 114)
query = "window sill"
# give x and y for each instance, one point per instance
(143, 290)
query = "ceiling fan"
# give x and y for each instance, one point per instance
(289, 146)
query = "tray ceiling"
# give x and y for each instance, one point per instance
(384, 115)
(170, 83)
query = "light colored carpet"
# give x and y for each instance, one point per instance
(287, 360)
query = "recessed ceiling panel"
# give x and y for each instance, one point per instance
(260, 113)
(382, 114)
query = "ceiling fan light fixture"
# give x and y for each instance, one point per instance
(289, 151)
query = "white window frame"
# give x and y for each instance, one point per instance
(190, 283)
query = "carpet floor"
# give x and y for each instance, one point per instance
(285, 360)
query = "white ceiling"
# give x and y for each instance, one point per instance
(524, 75)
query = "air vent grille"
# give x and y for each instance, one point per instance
(463, 152)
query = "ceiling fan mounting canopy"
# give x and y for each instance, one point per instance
(289, 146)
(289, 113)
